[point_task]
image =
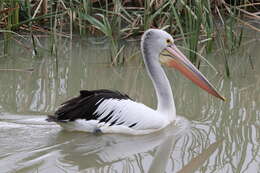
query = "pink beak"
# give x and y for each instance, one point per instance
(181, 63)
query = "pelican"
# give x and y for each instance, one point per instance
(108, 111)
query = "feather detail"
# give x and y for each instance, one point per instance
(85, 105)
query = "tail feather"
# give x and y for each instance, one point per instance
(51, 118)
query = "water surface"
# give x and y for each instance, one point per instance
(215, 137)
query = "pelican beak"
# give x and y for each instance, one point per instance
(173, 57)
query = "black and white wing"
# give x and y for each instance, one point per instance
(85, 105)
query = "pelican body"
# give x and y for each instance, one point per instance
(112, 112)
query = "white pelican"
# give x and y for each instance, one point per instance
(112, 112)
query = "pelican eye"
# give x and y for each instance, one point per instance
(168, 41)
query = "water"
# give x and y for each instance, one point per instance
(216, 137)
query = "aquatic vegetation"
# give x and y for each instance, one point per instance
(197, 23)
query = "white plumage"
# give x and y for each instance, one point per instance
(141, 115)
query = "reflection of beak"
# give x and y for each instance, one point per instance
(173, 57)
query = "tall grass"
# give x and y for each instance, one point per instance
(194, 22)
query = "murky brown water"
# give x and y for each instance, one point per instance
(216, 137)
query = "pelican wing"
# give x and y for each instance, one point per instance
(85, 105)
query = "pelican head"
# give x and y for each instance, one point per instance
(158, 46)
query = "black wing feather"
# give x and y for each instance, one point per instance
(84, 106)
